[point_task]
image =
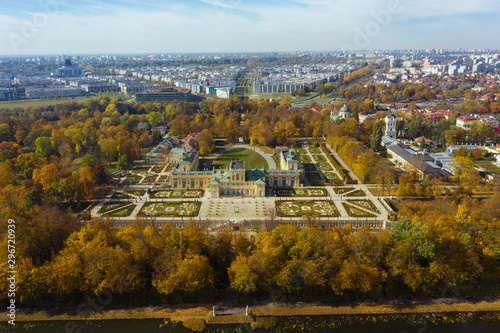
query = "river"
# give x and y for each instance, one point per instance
(309, 325)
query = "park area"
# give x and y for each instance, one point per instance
(253, 159)
(323, 208)
(301, 192)
(158, 209)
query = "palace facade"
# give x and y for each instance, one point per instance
(236, 180)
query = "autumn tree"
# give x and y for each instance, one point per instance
(376, 136)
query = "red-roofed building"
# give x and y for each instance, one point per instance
(465, 122)
(434, 118)
(428, 142)
(486, 98)
(191, 141)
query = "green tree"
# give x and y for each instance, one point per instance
(416, 237)
(154, 118)
(45, 147)
(122, 163)
(376, 136)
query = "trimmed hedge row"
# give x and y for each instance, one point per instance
(340, 170)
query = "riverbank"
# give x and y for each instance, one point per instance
(233, 313)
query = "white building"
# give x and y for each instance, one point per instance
(390, 126)
(344, 113)
(53, 92)
(223, 92)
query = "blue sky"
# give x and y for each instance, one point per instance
(167, 26)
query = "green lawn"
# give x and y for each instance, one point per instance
(46, 102)
(309, 97)
(252, 158)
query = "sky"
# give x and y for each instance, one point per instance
(198, 26)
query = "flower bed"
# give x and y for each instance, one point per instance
(132, 179)
(161, 194)
(354, 193)
(122, 212)
(170, 209)
(315, 150)
(366, 204)
(299, 208)
(342, 190)
(149, 179)
(283, 193)
(164, 179)
(325, 166)
(310, 192)
(143, 169)
(157, 169)
(319, 158)
(137, 193)
(356, 212)
(120, 195)
(305, 159)
(177, 194)
(111, 206)
(193, 193)
(331, 175)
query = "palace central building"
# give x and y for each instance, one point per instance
(236, 180)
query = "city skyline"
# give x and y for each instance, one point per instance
(197, 26)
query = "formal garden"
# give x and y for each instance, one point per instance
(159, 209)
(168, 194)
(316, 165)
(142, 174)
(331, 176)
(301, 192)
(110, 206)
(350, 192)
(324, 208)
(360, 208)
(121, 212)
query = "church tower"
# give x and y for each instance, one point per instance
(390, 126)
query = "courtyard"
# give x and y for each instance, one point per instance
(252, 158)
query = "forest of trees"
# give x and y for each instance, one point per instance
(435, 249)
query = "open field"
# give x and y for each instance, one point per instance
(309, 97)
(252, 158)
(46, 102)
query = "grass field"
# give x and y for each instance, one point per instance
(309, 97)
(46, 102)
(275, 96)
(252, 158)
